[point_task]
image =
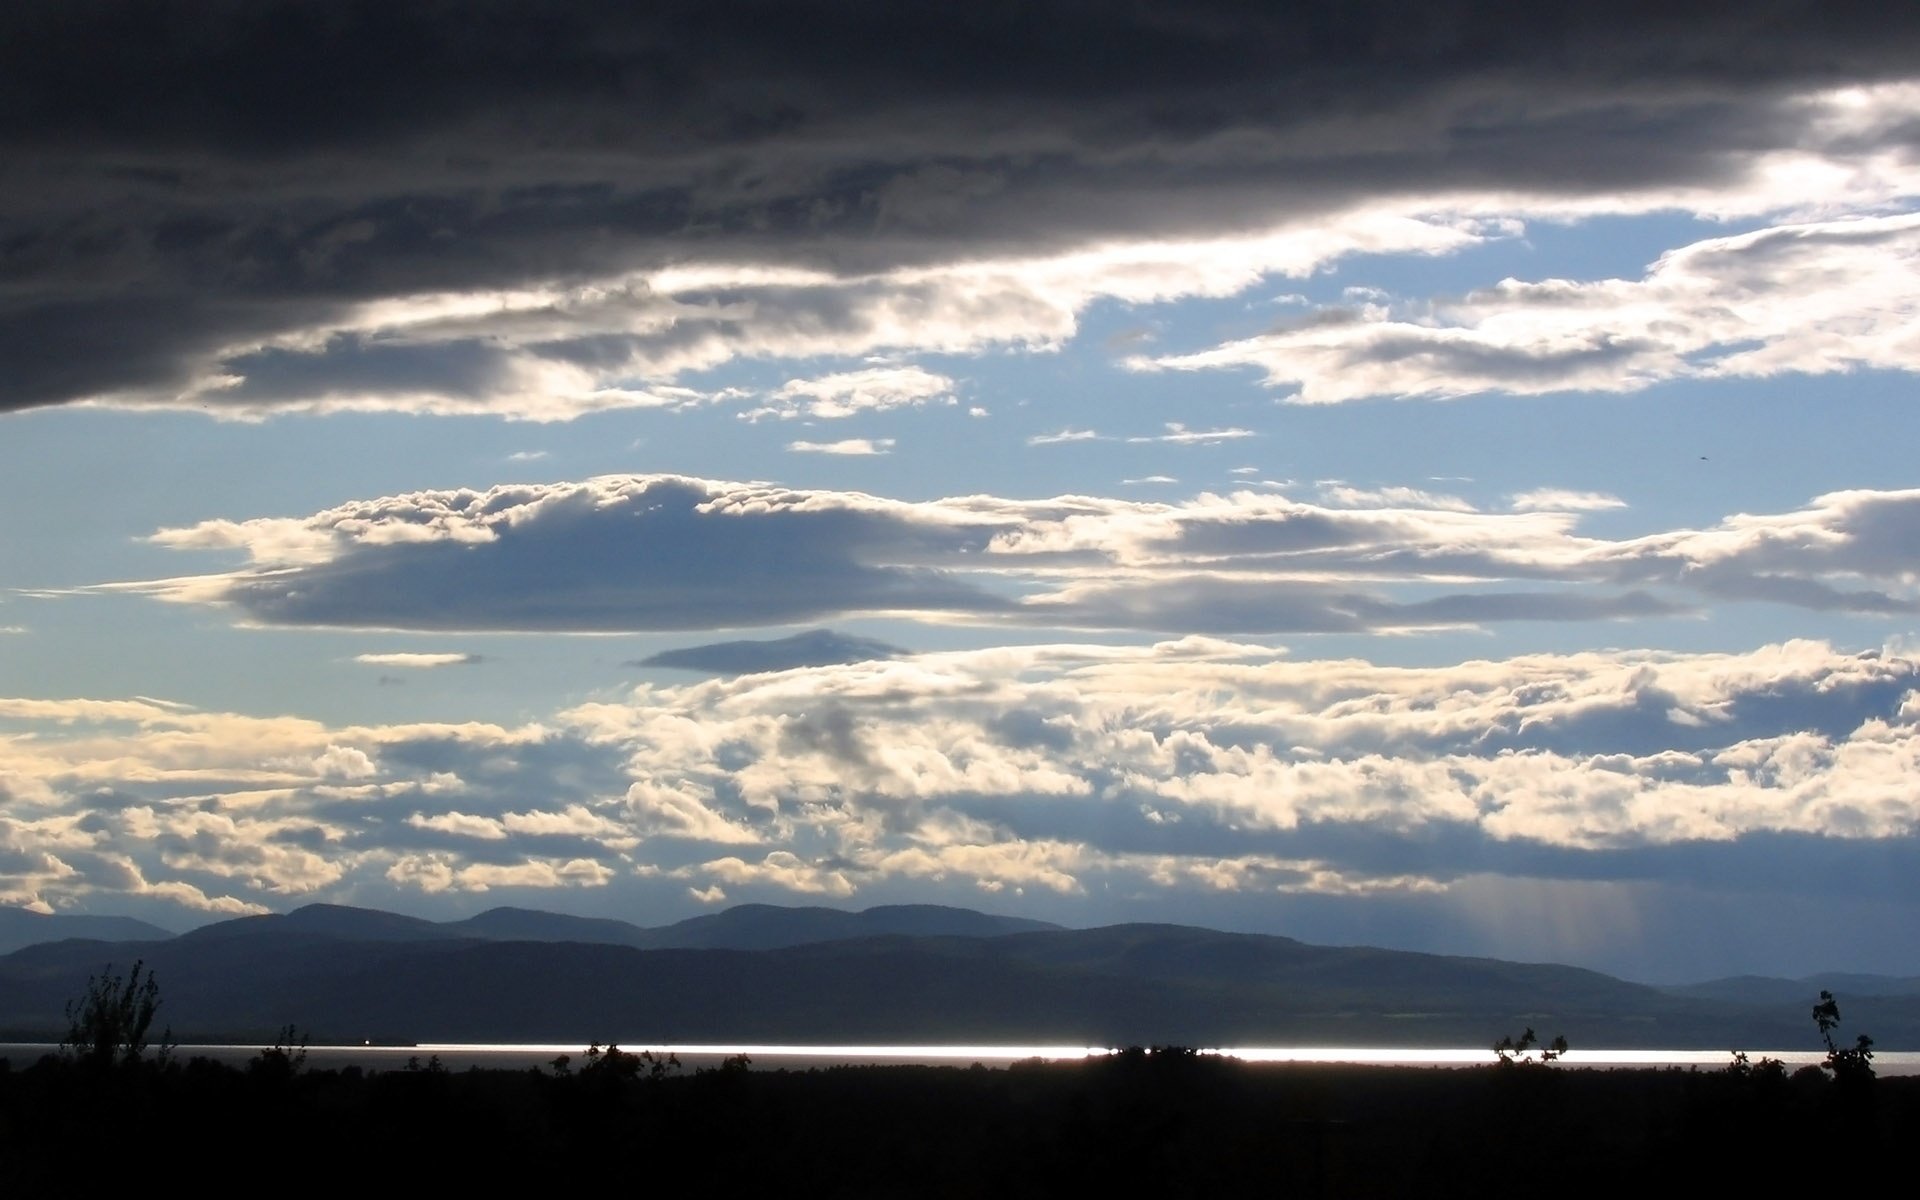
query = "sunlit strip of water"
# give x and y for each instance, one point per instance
(772, 1056)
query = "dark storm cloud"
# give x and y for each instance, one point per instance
(180, 182)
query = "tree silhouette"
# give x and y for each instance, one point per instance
(616, 1064)
(1511, 1051)
(109, 1025)
(282, 1060)
(1849, 1064)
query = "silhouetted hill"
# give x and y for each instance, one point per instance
(21, 927)
(1764, 989)
(770, 927)
(330, 920)
(347, 976)
(744, 927)
(530, 925)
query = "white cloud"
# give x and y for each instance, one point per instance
(1816, 298)
(1179, 435)
(1066, 435)
(784, 871)
(435, 874)
(1196, 767)
(1347, 496)
(416, 659)
(460, 825)
(853, 446)
(682, 809)
(344, 762)
(575, 557)
(1562, 500)
(874, 389)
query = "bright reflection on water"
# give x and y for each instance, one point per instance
(462, 1055)
(770, 1056)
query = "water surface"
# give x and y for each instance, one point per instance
(495, 1056)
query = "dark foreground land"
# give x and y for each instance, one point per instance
(1163, 1123)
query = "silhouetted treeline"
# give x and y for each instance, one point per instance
(1165, 1123)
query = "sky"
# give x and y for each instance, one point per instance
(1439, 477)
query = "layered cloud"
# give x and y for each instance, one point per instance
(1100, 781)
(637, 553)
(468, 225)
(815, 648)
(1820, 298)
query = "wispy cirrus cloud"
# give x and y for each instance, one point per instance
(1067, 435)
(1179, 435)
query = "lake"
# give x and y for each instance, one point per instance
(459, 1056)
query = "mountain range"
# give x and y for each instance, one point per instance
(904, 973)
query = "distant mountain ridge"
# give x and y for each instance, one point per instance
(1766, 989)
(743, 927)
(21, 927)
(771, 927)
(903, 973)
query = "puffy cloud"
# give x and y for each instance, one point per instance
(344, 762)
(1348, 766)
(432, 875)
(1101, 778)
(682, 811)
(784, 871)
(875, 389)
(460, 824)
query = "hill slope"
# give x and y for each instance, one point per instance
(353, 975)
